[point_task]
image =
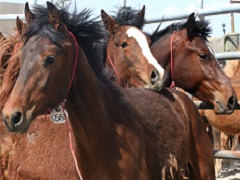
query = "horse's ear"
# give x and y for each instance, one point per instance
(141, 13)
(29, 16)
(21, 26)
(190, 24)
(109, 22)
(54, 18)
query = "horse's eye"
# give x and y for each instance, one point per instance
(203, 56)
(49, 60)
(124, 44)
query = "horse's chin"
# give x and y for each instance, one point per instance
(156, 87)
(220, 108)
(152, 88)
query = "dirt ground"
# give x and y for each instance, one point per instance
(230, 169)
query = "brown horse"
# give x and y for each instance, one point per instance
(17, 152)
(130, 46)
(193, 64)
(126, 135)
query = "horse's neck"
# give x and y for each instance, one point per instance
(98, 114)
(87, 94)
(89, 114)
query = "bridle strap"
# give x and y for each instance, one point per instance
(71, 144)
(111, 62)
(75, 61)
(172, 62)
(63, 107)
(114, 68)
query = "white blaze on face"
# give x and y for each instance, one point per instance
(142, 42)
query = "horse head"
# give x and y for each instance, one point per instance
(190, 63)
(49, 51)
(129, 57)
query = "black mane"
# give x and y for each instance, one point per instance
(201, 27)
(129, 16)
(89, 32)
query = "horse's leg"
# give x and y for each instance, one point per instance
(234, 143)
(216, 139)
(237, 142)
(224, 141)
(204, 149)
(210, 134)
(207, 125)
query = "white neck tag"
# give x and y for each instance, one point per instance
(57, 115)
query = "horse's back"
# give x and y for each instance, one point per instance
(177, 132)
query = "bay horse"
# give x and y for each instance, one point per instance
(129, 57)
(192, 65)
(17, 152)
(125, 137)
(187, 58)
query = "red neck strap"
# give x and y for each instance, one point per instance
(114, 68)
(68, 124)
(111, 62)
(172, 63)
(75, 61)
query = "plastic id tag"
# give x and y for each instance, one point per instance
(57, 115)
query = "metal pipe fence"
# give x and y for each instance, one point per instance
(199, 12)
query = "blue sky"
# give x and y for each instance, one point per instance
(155, 7)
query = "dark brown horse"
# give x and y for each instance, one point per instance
(119, 133)
(193, 66)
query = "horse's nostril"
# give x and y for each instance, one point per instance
(16, 118)
(154, 76)
(232, 102)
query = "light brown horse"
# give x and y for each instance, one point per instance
(117, 135)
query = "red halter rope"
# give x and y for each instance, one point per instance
(172, 63)
(68, 125)
(114, 68)
(75, 62)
